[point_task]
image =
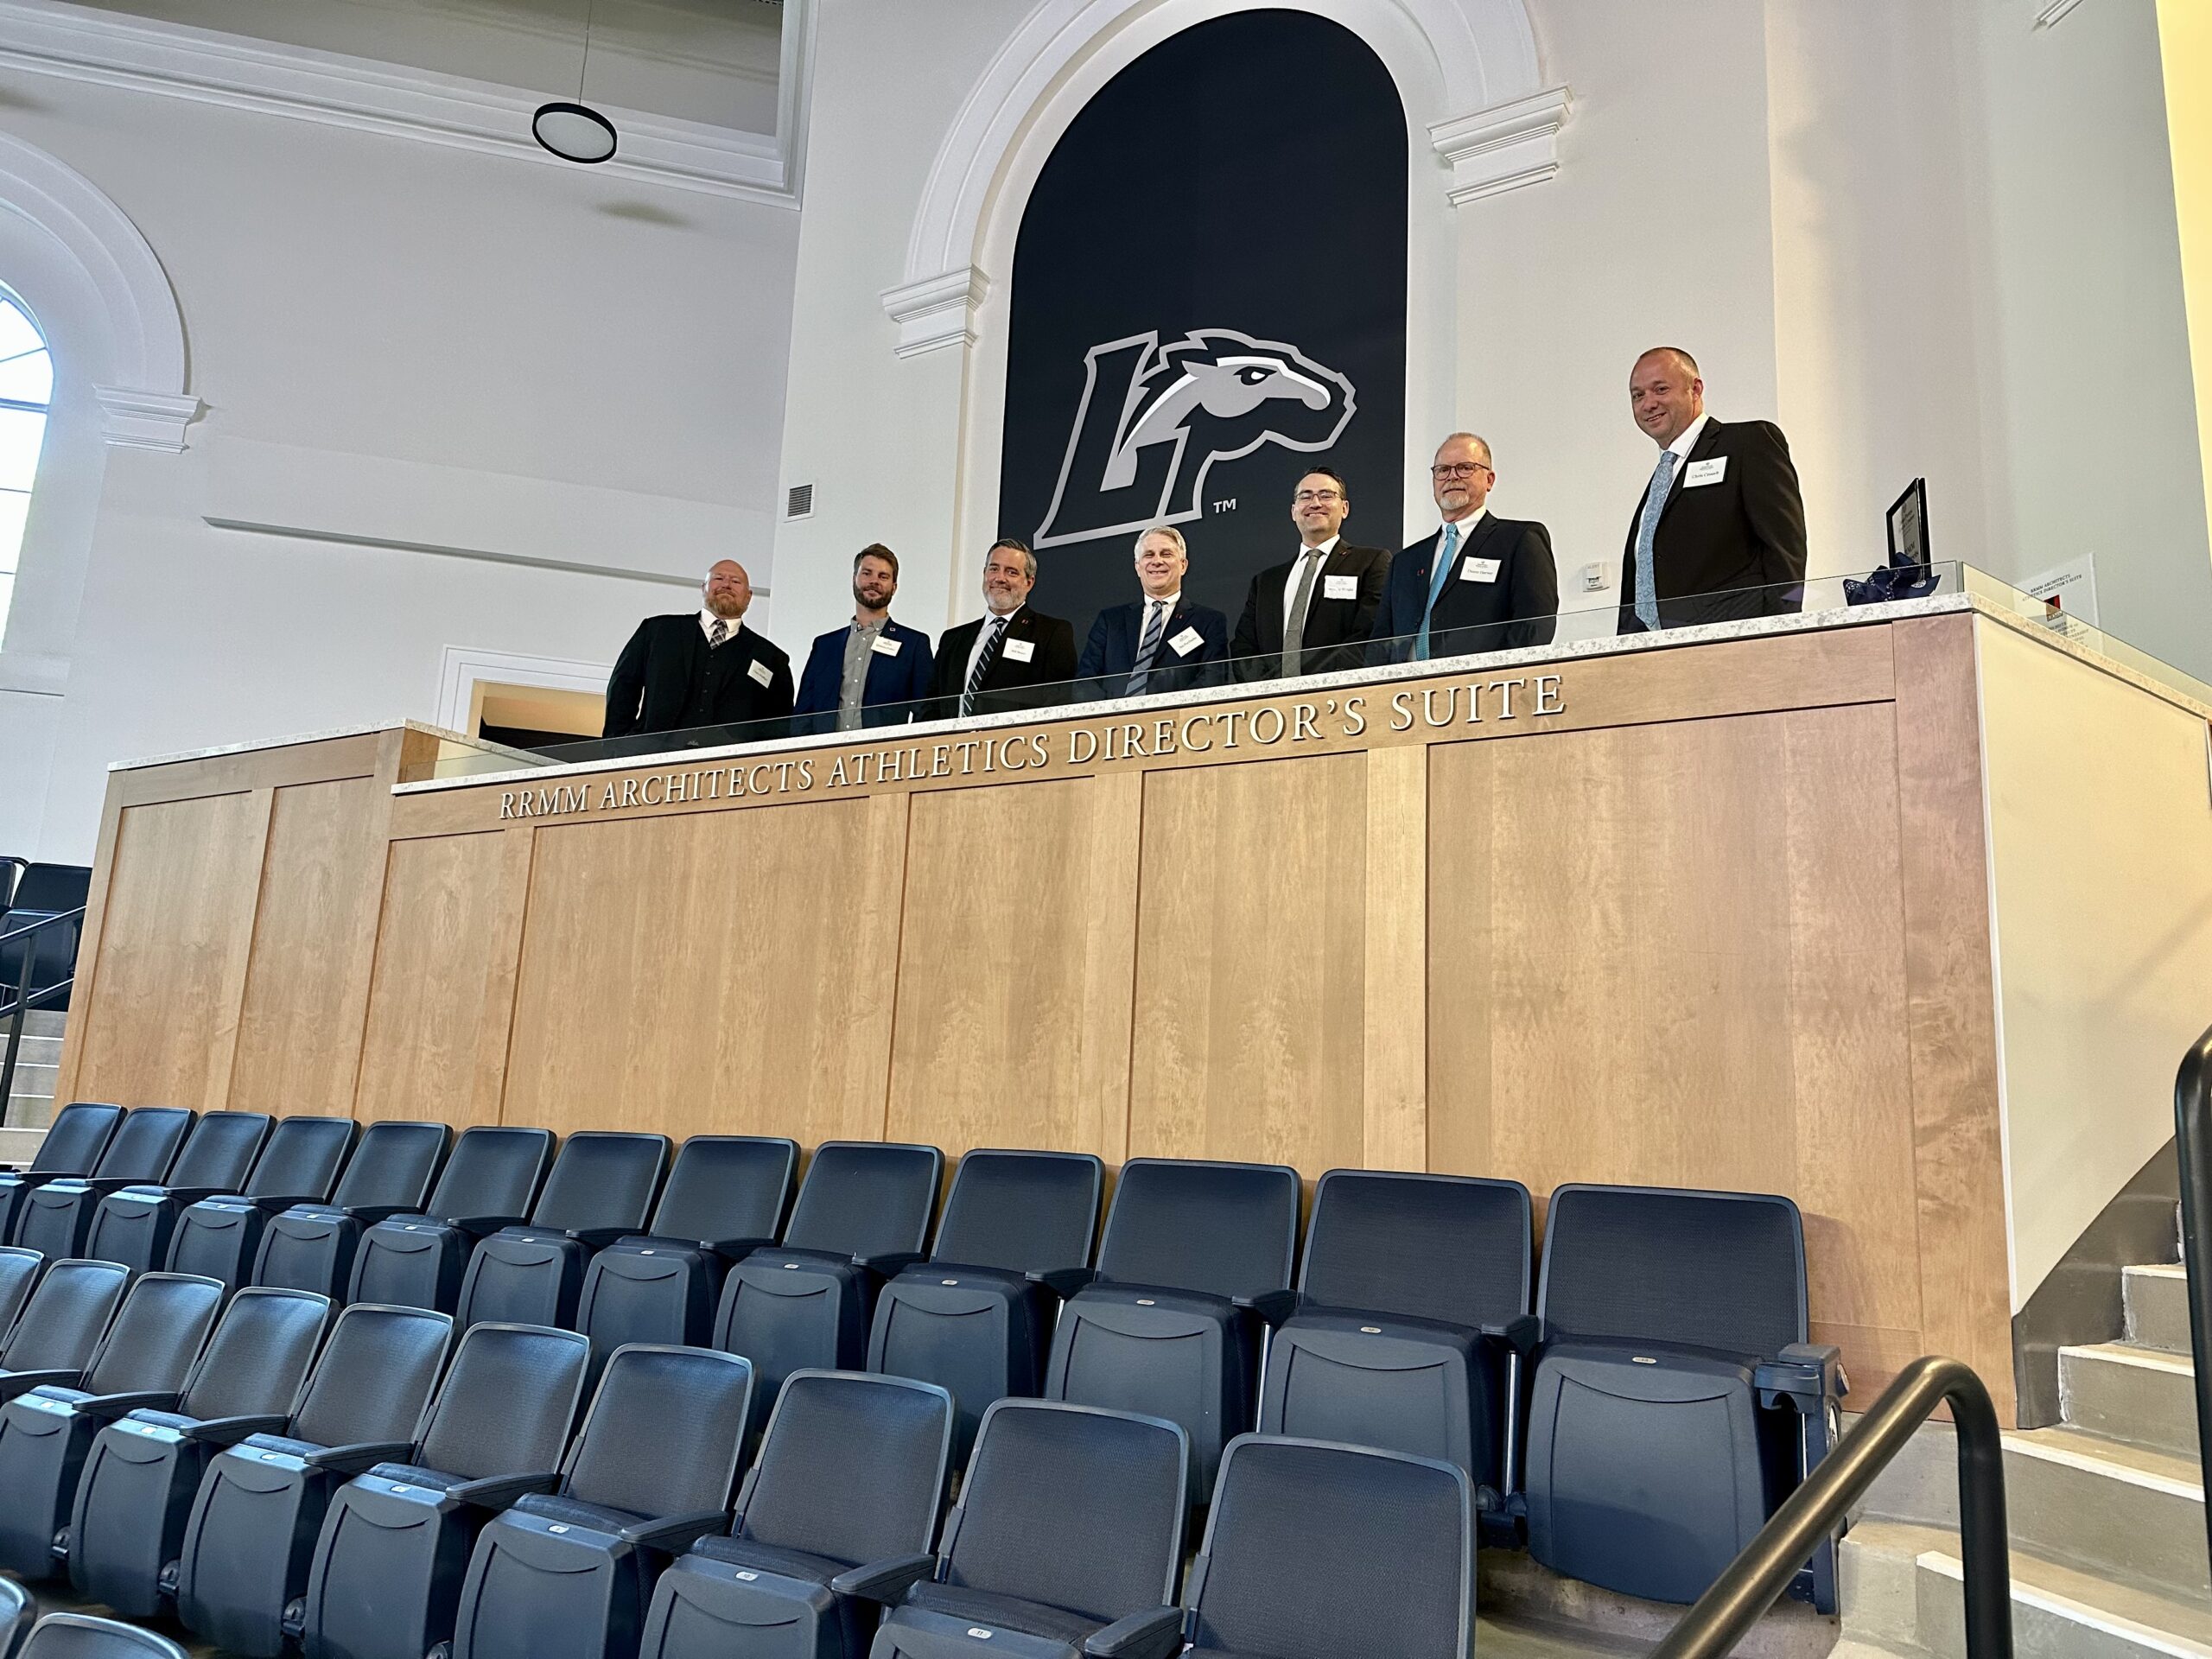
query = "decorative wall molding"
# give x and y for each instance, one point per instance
(461, 666)
(1506, 148)
(937, 311)
(106, 48)
(146, 420)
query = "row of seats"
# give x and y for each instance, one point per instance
(1636, 1417)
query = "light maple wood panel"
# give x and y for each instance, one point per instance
(1251, 1009)
(1014, 968)
(725, 972)
(174, 932)
(307, 988)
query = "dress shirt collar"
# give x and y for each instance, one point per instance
(1467, 525)
(1687, 441)
(1171, 601)
(708, 619)
(1325, 549)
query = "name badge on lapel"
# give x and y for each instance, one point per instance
(884, 646)
(760, 673)
(1474, 570)
(1021, 651)
(1705, 472)
(1340, 586)
(1186, 642)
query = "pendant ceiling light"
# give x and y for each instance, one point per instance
(576, 131)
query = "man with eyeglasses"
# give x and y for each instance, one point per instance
(1479, 583)
(1311, 613)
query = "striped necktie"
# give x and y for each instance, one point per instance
(1437, 578)
(717, 634)
(1148, 648)
(994, 631)
(1647, 532)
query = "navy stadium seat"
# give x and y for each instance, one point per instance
(851, 1473)
(568, 1574)
(80, 1635)
(310, 1246)
(1412, 1312)
(386, 1573)
(144, 1468)
(143, 1361)
(59, 1329)
(862, 1214)
(57, 1216)
(724, 1198)
(219, 1234)
(602, 1188)
(418, 1260)
(19, 1272)
(978, 1317)
(1068, 1535)
(132, 1224)
(1674, 1402)
(1196, 1259)
(260, 1508)
(18, 1610)
(75, 1140)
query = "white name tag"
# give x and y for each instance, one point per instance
(1474, 570)
(1021, 651)
(760, 673)
(1186, 642)
(884, 646)
(1340, 586)
(1705, 472)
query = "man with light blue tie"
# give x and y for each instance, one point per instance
(1479, 583)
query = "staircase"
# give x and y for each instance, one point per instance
(30, 1101)
(2106, 1513)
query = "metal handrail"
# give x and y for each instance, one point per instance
(2193, 1148)
(57, 918)
(14, 1011)
(1756, 1579)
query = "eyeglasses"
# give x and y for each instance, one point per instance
(1461, 469)
(1304, 496)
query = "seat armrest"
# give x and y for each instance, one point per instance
(884, 1581)
(1273, 1305)
(1806, 1375)
(890, 1264)
(15, 1382)
(676, 1533)
(495, 1492)
(1520, 1334)
(182, 1196)
(598, 1238)
(1155, 1634)
(736, 1249)
(485, 1226)
(229, 1431)
(370, 1214)
(104, 1185)
(360, 1456)
(275, 1206)
(106, 1407)
(1063, 1282)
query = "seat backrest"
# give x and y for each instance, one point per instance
(1456, 1249)
(727, 1187)
(852, 1467)
(507, 1401)
(219, 1150)
(1314, 1551)
(259, 1355)
(66, 1317)
(18, 1272)
(1073, 1507)
(301, 1158)
(145, 1144)
(76, 1138)
(1022, 1212)
(494, 1171)
(866, 1197)
(375, 1375)
(1718, 1270)
(80, 1635)
(1228, 1229)
(395, 1163)
(664, 1432)
(52, 888)
(601, 1180)
(157, 1334)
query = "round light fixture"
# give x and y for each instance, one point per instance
(574, 132)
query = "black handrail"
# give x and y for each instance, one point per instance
(2193, 1148)
(1756, 1579)
(14, 1011)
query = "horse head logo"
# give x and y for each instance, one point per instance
(1153, 422)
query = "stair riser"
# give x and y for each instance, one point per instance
(2038, 1632)
(1881, 1596)
(2157, 1311)
(2101, 1522)
(2149, 1405)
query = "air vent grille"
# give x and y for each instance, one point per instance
(799, 502)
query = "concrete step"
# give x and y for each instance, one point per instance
(20, 1146)
(2061, 1612)
(2130, 1394)
(44, 1022)
(2157, 1308)
(33, 1078)
(2126, 1511)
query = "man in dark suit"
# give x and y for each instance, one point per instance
(1010, 657)
(1479, 583)
(1311, 613)
(702, 668)
(1162, 642)
(871, 671)
(1720, 530)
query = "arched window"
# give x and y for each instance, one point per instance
(26, 389)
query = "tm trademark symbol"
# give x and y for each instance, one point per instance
(1229, 505)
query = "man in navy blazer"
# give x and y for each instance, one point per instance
(1480, 582)
(1160, 642)
(872, 671)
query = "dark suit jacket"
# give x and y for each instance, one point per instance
(887, 698)
(1519, 607)
(1335, 629)
(659, 673)
(1716, 540)
(1009, 684)
(1111, 653)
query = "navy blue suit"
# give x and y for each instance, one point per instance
(1109, 655)
(1518, 606)
(898, 680)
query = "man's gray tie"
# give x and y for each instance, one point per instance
(1294, 626)
(717, 634)
(1646, 531)
(993, 633)
(1148, 648)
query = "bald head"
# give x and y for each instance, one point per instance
(727, 590)
(1665, 394)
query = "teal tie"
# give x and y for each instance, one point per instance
(1437, 578)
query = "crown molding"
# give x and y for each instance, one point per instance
(145, 420)
(938, 311)
(80, 43)
(1506, 148)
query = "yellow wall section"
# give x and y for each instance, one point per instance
(2185, 44)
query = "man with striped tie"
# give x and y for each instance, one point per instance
(1011, 657)
(1160, 642)
(1480, 582)
(702, 669)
